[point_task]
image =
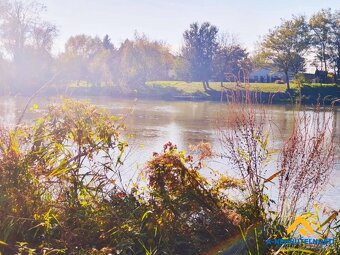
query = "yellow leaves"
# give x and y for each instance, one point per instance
(226, 182)
(84, 197)
(34, 107)
(3, 147)
(332, 217)
(126, 227)
(243, 154)
(61, 169)
(3, 243)
(113, 118)
(264, 143)
(265, 198)
(36, 216)
(14, 141)
(290, 250)
(84, 203)
(146, 214)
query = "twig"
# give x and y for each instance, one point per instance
(33, 96)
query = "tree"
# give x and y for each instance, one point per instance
(200, 47)
(321, 26)
(285, 46)
(230, 60)
(102, 64)
(27, 41)
(107, 44)
(142, 60)
(80, 52)
(335, 43)
(181, 71)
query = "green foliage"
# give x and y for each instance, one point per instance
(231, 63)
(200, 47)
(324, 26)
(285, 46)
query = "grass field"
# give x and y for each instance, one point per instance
(182, 90)
(194, 87)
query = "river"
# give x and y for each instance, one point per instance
(154, 123)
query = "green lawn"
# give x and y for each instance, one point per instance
(192, 87)
(318, 85)
(182, 89)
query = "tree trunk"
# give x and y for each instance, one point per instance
(324, 59)
(287, 78)
(338, 63)
(208, 87)
(204, 86)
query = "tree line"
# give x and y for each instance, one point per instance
(27, 61)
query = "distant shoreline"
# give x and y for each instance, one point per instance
(181, 91)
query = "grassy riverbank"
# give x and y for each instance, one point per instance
(194, 87)
(181, 90)
(194, 90)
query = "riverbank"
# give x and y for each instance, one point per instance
(194, 91)
(267, 92)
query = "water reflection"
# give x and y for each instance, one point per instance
(8, 111)
(154, 123)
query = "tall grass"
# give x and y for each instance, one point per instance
(305, 163)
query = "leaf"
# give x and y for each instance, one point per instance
(272, 177)
(298, 250)
(59, 171)
(329, 219)
(145, 215)
(3, 243)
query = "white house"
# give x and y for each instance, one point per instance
(266, 75)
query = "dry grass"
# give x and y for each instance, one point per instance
(307, 159)
(244, 143)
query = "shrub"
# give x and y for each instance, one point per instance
(190, 214)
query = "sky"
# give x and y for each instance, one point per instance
(167, 20)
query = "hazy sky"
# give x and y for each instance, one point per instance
(166, 20)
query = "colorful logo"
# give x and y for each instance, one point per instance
(304, 226)
(301, 221)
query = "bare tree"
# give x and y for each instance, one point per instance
(27, 40)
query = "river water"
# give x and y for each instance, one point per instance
(154, 123)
